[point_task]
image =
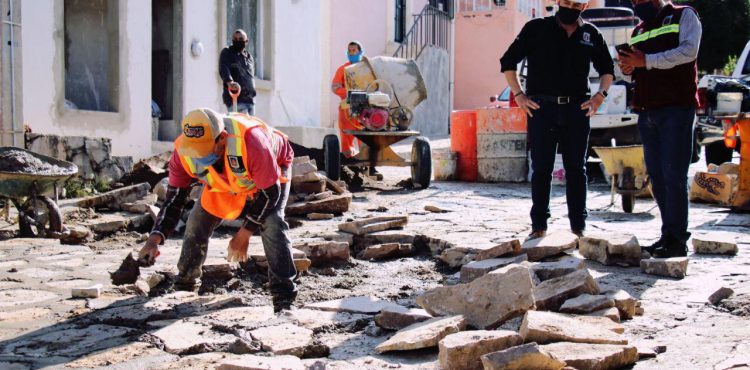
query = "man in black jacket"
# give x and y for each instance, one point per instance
(237, 69)
(559, 51)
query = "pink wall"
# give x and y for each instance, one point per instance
(481, 39)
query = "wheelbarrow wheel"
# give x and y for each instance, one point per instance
(628, 202)
(39, 217)
(332, 157)
(421, 158)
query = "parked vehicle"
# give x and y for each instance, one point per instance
(721, 98)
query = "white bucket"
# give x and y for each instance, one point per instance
(444, 166)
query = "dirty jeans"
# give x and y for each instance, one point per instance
(566, 126)
(667, 135)
(248, 108)
(276, 243)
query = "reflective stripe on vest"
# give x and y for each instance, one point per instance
(671, 28)
(202, 173)
(235, 146)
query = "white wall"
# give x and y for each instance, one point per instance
(43, 79)
(201, 84)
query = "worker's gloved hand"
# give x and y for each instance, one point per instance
(237, 249)
(149, 252)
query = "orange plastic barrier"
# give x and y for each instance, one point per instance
(464, 143)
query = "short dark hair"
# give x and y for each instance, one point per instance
(355, 43)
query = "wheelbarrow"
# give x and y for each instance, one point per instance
(626, 168)
(38, 214)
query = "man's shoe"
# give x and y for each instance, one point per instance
(658, 244)
(536, 234)
(671, 248)
(283, 302)
(373, 173)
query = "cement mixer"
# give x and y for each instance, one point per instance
(382, 93)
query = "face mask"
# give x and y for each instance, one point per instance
(568, 15)
(238, 45)
(355, 58)
(207, 160)
(647, 12)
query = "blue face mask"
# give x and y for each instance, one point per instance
(647, 12)
(355, 58)
(207, 160)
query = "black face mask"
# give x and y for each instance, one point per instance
(238, 45)
(647, 12)
(568, 15)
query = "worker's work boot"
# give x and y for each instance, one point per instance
(283, 302)
(373, 173)
(536, 234)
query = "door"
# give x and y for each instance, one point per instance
(166, 71)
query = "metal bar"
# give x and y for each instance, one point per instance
(12, 75)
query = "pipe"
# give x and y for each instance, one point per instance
(12, 74)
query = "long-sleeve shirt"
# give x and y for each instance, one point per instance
(263, 170)
(239, 68)
(558, 64)
(691, 31)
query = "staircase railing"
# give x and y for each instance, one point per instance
(432, 27)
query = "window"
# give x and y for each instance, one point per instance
(91, 54)
(255, 17)
(400, 31)
(480, 5)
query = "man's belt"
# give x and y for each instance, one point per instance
(561, 100)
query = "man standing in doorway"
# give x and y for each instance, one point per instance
(663, 61)
(559, 50)
(349, 144)
(237, 70)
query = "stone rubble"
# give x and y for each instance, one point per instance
(586, 303)
(463, 351)
(551, 294)
(374, 224)
(668, 267)
(386, 251)
(553, 269)
(424, 334)
(624, 302)
(723, 293)
(476, 269)
(548, 327)
(611, 249)
(365, 305)
(393, 318)
(324, 252)
(715, 243)
(553, 244)
(527, 356)
(584, 356)
(487, 301)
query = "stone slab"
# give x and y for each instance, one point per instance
(463, 351)
(423, 335)
(324, 252)
(374, 224)
(316, 320)
(336, 204)
(547, 327)
(551, 294)
(364, 305)
(584, 356)
(624, 302)
(78, 341)
(715, 243)
(551, 245)
(253, 362)
(587, 303)
(397, 319)
(668, 267)
(476, 269)
(386, 251)
(611, 249)
(286, 339)
(487, 301)
(527, 356)
(554, 269)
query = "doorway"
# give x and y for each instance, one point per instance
(166, 68)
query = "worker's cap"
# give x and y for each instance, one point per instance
(200, 128)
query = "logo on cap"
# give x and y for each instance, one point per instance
(193, 131)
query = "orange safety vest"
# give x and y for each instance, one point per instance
(226, 198)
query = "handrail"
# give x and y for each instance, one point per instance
(432, 27)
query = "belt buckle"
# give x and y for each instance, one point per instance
(563, 100)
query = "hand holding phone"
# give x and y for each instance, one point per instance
(623, 48)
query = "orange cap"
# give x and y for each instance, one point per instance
(200, 128)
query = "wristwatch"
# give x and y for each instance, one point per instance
(604, 93)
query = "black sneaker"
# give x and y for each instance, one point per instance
(651, 248)
(283, 302)
(671, 248)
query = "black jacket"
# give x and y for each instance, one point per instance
(240, 68)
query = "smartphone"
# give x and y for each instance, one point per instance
(622, 48)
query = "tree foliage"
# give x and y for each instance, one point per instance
(726, 30)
